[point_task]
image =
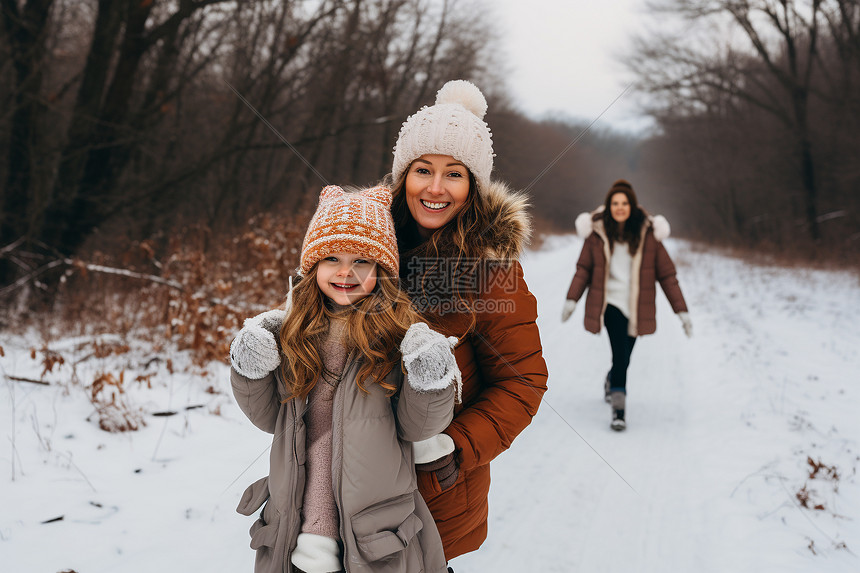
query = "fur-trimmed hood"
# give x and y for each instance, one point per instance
(508, 223)
(585, 223)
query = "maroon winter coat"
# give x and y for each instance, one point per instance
(651, 263)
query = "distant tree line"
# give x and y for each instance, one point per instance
(126, 119)
(131, 120)
(758, 108)
(119, 115)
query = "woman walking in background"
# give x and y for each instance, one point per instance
(622, 259)
(460, 236)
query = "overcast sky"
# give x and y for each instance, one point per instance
(561, 57)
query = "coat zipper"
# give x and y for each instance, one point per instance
(337, 468)
(288, 564)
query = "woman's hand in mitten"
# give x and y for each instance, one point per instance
(446, 469)
(254, 352)
(427, 356)
(686, 323)
(567, 309)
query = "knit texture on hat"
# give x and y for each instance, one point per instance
(453, 126)
(357, 223)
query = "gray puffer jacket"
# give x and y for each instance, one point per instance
(385, 526)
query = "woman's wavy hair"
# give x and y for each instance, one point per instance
(632, 230)
(374, 330)
(452, 246)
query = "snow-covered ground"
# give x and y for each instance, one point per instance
(712, 475)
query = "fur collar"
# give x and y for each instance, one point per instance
(661, 227)
(508, 223)
(585, 224)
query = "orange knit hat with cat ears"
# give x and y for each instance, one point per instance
(356, 222)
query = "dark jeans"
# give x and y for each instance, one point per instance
(622, 347)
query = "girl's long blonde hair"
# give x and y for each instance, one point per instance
(374, 330)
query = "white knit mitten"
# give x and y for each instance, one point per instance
(429, 360)
(567, 309)
(686, 323)
(316, 554)
(254, 352)
(271, 320)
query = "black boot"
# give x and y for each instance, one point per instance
(618, 402)
(618, 424)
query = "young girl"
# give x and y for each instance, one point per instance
(325, 377)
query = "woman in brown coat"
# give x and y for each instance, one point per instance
(460, 235)
(622, 259)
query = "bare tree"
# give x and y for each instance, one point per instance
(25, 31)
(773, 72)
(138, 131)
(105, 123)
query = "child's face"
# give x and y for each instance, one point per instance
(436, 188)
(346, 278)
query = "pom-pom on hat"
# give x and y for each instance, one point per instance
(453, 126)
(356, 222)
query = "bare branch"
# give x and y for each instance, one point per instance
(90, 267)
(30, 380)
(11, 246)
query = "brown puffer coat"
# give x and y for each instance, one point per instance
(504, 376)
(651, 264)
(385, 526)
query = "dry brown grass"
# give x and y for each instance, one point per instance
(189, 293)
(214, 284)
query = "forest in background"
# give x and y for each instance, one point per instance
(137, 166)
(758, 108)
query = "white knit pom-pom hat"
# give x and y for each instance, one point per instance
(454, 126)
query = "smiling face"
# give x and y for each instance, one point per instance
(346, 278)
(619, 208)
(436, 188)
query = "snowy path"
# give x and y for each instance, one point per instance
(713, 430)
(705, 479)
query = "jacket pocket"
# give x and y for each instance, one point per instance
(264, 533)
(386, 528)
(255, 495)
(267, 539)
(428, 484)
